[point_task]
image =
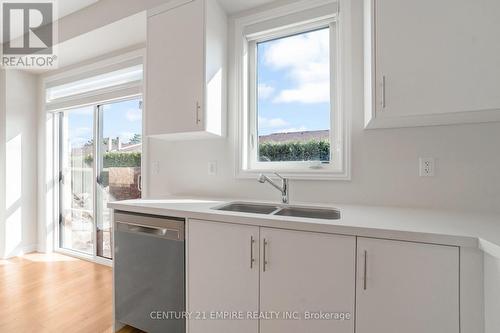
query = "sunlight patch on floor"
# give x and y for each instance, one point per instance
(52, 257)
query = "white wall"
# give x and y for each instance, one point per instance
(384, 162)
(492, 293)
(20, 164)
(47, 216)
(2, 161)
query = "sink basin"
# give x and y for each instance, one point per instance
(309, 212)
(281, 210)
(243, 207)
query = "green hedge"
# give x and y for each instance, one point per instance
(268, 151)
(117, 159)
(294, 151)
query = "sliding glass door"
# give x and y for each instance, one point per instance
(76, 222)
(119, 163)
(94, 174)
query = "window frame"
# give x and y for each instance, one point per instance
(251, 30)
(98, 109)
(88, 71)
(52, 138)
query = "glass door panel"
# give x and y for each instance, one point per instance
(76, 223)
(118, 164)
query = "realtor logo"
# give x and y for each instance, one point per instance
(27, 28)
(28, 34)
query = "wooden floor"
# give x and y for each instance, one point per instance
(55, 293)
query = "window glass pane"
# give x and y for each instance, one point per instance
(293, 98)
(94, 83)
(120, 164)
(77, 199)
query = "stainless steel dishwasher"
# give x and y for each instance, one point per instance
(149, 266)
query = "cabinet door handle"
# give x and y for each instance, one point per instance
(198, 109)
(264, 256)
(365, 270)
(383, 92)
(252, 260)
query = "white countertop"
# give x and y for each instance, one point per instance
(429, 226)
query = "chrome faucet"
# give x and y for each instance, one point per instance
(284, 188)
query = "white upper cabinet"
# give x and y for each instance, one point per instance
(407, 287)
(186, 70)
(431, 62)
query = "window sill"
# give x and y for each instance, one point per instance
(298, 175)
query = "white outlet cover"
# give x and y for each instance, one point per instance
(212, 168)
(427, 167)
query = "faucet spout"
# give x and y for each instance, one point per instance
(284, 188)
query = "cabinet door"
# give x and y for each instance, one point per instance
(307, 272)
(407, 287)
(175, 70)
(221, 276)
(437, 58)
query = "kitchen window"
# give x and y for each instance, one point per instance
(291, 118)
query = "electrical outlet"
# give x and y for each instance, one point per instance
(212, 168)
(427, 166)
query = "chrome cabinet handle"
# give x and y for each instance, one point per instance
(383, 92)
(365, 270)
(198, 108)
(264, 256)
(252, 260)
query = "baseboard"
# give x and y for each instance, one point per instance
(22, 250)
(43, 249)
(30, 248)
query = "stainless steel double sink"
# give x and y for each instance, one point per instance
(281, 210)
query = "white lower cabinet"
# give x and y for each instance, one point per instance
(407, 287)
(236, 270)
(221, 277)
(307, 274)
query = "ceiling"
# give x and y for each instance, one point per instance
(235, 6)
(62, 8)
(128, 32)
(66, 7)
(119, 35)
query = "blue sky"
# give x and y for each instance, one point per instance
(293, 83)
(123, 119)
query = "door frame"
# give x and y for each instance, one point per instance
(97, 116)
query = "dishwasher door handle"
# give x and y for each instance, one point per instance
(167, 233)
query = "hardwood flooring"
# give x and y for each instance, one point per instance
(54, 294)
